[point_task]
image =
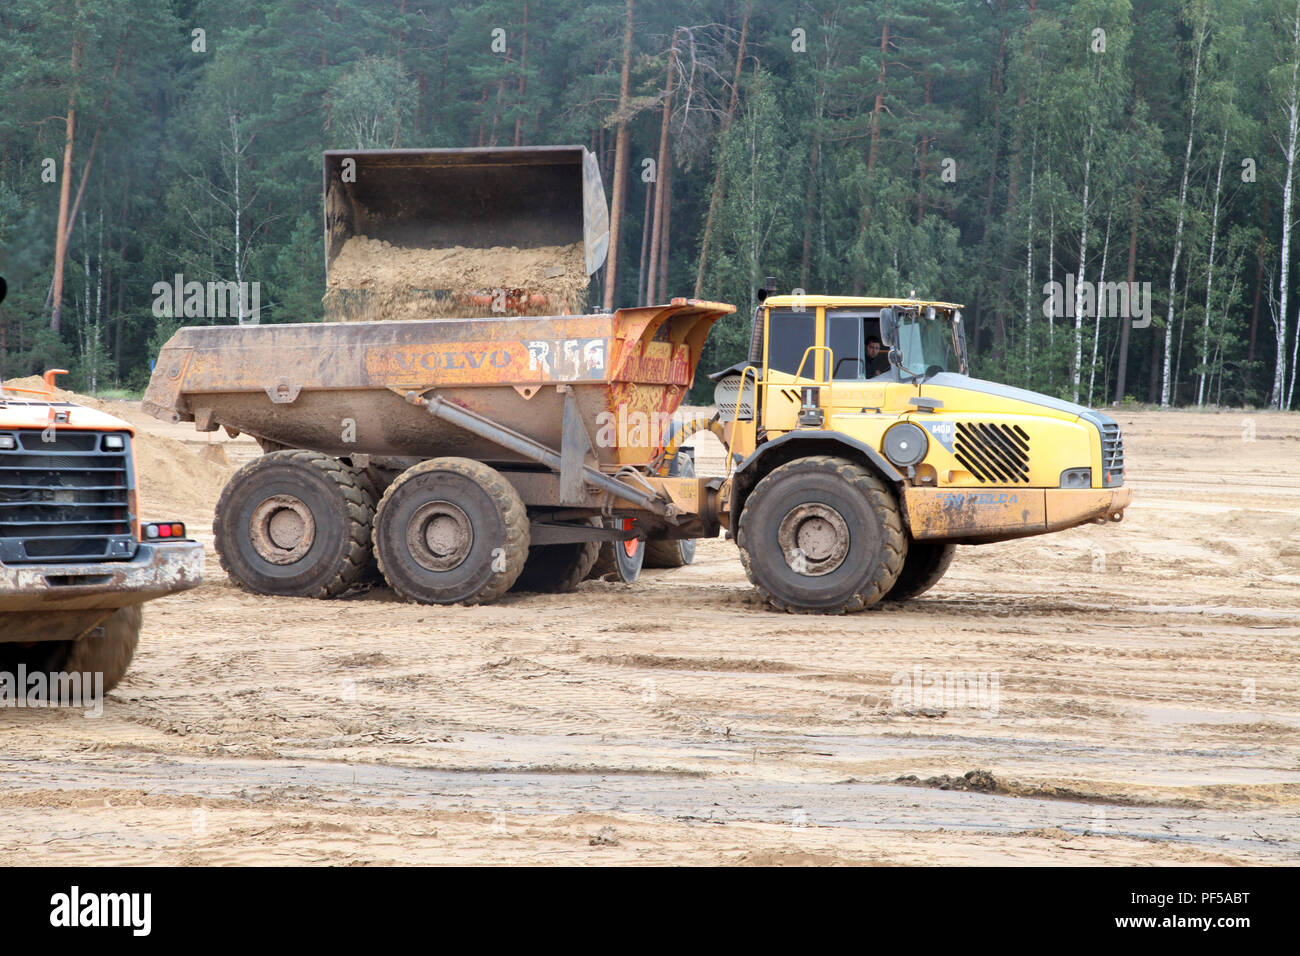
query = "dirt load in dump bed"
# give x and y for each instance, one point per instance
(399, 282)
(461, 233)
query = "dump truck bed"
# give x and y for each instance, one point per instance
(423, 233)
(341, 388)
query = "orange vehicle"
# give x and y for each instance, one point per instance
(76, 562)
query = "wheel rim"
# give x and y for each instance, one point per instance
(439, 536)
(282, 529)
(630, 546)
(814, 539)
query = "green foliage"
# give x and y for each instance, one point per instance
(951, 163)
(371, 104)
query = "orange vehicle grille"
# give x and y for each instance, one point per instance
(64, 497)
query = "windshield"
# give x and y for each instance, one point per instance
(927, 345)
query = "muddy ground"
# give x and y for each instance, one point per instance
(1134, 699)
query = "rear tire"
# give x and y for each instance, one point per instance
(296, 524)
(451, 531)
(370, 574)
(675, 552)
(614, 559)
(926, 563)
(107, 650)
(558, 568)
(821, 535)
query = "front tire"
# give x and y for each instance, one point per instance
(107, 649)
(821, 535)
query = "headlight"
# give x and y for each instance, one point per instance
(114, 443)
(1076, 478)
(905, 444)
(8, 442)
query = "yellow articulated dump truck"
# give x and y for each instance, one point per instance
(860, 449)
(469, 456)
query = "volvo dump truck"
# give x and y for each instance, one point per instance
(76, 562)
(475, 455)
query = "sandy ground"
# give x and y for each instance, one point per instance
(1134, 699)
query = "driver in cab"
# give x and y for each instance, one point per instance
(877, 357)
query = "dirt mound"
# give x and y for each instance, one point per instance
(371, 279)
(174, 479)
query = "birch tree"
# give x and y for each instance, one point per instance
(1199, 15)
(1285, 85)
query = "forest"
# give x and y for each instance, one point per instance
(1106, 185)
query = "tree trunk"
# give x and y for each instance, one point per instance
(661, 166)
(1165, 383)
(1126, 326)
(1051, 267)
(645, 247)
(1209, 270)
(1096, 332)
(664, 244)
(922, 159)
(1029, 257)
(523, 80)
(99, 305)
(65, 190)
(1280, 322)
(1153, 383)
(1182, 324)
(810, 193)
(238, 212)
(85, 171)
(1259, 286)
(864, 221)
(121, 311)
(1083, 265)
(1013, 172)
(620, 165)
(996, 90)
(715, 197)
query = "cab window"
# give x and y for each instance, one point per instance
(789, 335)
(847, 334)
(846, 339)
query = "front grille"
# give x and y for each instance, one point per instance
(65, 498)
(993, 452)
(1112, 455)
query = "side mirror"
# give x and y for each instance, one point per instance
(3, 288)
(888, 327)
(962, 356)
